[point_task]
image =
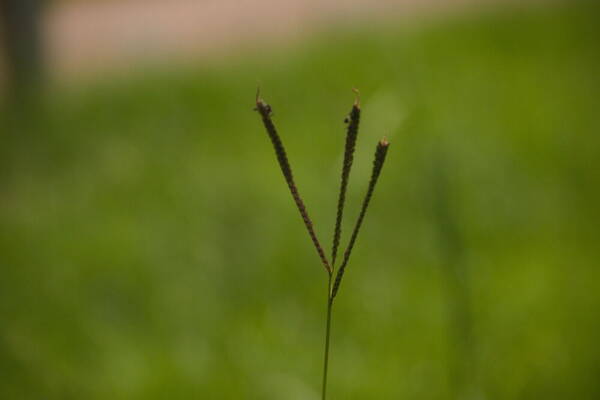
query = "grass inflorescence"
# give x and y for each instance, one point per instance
(334, 275)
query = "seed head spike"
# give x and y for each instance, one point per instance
(265, 112)
(380, 153)
(353, 120)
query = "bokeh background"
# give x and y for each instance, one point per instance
(149, 248)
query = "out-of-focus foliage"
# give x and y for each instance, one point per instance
(150, 250)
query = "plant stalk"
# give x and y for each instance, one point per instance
(327, 334)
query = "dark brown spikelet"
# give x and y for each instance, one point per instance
(380, 154)
(352, 132)
(265, 112)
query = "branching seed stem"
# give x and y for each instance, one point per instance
(333, 285)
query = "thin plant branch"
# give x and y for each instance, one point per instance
(353, 120)
(327, 336)
(380, 153)
(265, 112)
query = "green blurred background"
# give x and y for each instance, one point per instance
(149, 248)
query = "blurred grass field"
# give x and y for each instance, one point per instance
(150, 249)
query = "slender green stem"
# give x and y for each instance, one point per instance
(327, 332)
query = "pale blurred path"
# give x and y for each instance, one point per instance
(84, 35)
